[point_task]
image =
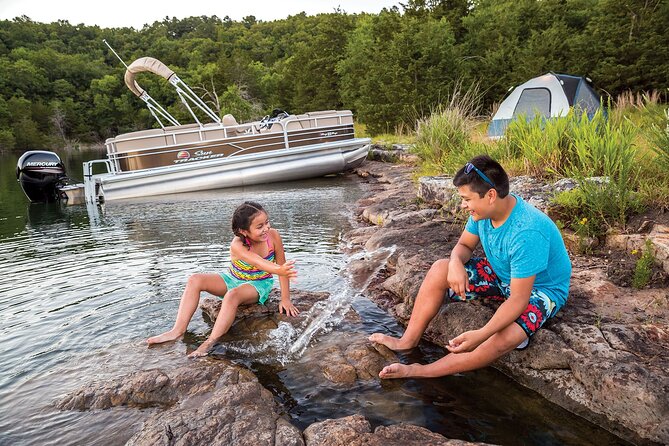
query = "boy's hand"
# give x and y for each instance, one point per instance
(466, 342)
(288, 270)
(457, 278)
(288, 308)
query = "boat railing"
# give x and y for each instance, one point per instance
(90, 191)
(148, 141)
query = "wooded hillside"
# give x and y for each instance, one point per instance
(60, 85)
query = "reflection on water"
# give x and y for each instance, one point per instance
(79, 296)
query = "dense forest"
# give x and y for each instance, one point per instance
(60, 86)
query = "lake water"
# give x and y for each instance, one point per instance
(80, 293)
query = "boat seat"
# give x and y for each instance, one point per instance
(230, 121)
(324, 118)
(142, 139)
(185, 133)
(298, 122)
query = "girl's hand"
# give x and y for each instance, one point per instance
(288, 307)
(288, 270)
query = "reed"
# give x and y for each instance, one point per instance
(641, 99)
(443, 138)
(541, 144)
(659, 141)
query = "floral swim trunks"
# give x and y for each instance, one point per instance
(483, 282)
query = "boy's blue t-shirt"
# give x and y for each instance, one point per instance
(528, 243)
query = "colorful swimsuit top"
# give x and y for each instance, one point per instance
(243, 271)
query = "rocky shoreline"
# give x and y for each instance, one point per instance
(606, 355)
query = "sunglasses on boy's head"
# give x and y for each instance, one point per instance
(469, 167)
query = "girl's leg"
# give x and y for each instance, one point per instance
(211, 283)
(242, 295)
(429, 299)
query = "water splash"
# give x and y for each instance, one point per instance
(288, 342)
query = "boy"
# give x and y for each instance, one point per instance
(526, 265)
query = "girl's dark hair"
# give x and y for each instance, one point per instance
(243, 216)
(491, 168)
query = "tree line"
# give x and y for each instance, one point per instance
(60, 86)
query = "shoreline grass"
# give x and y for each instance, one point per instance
(627, 145)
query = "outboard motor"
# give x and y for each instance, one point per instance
(40, 174)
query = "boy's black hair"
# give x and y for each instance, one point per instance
(243, 216)
(491, 168)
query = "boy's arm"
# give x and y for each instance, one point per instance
(284, 281)
(461, 253)
(505, 315)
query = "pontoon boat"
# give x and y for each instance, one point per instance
(222, 153)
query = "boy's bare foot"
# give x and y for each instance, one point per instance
(395, 371)
(202, 350)
(171, 335)
(391, 342)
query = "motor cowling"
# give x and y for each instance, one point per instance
(40, 173)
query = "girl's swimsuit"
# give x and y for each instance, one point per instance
(241, 273)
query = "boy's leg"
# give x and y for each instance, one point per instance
(539, 309)
(483, 355)
(429, 299)
(212, 283)
(243, 294)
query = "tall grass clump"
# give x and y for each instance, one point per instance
(541, 144)
(659, 142)
(600, 148)
(444, 139)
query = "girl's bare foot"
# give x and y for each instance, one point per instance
(391, 342)
(395, 371)
(171, 335)
(202, 350)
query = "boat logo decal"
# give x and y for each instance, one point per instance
(329, 133)
(199, 155)
(41, 164)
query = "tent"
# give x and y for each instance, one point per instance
(550, 96)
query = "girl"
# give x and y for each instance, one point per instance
(256, 253)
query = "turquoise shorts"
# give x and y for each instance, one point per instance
(263, 287)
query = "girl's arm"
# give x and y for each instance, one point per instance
(284, 281)
(239, 251)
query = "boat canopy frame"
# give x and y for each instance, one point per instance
(186, 95)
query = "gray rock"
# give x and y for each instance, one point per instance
(355, 430)
(395, 153)
(242, 414)
(345, 358)
(156, 388)
(439, 190)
